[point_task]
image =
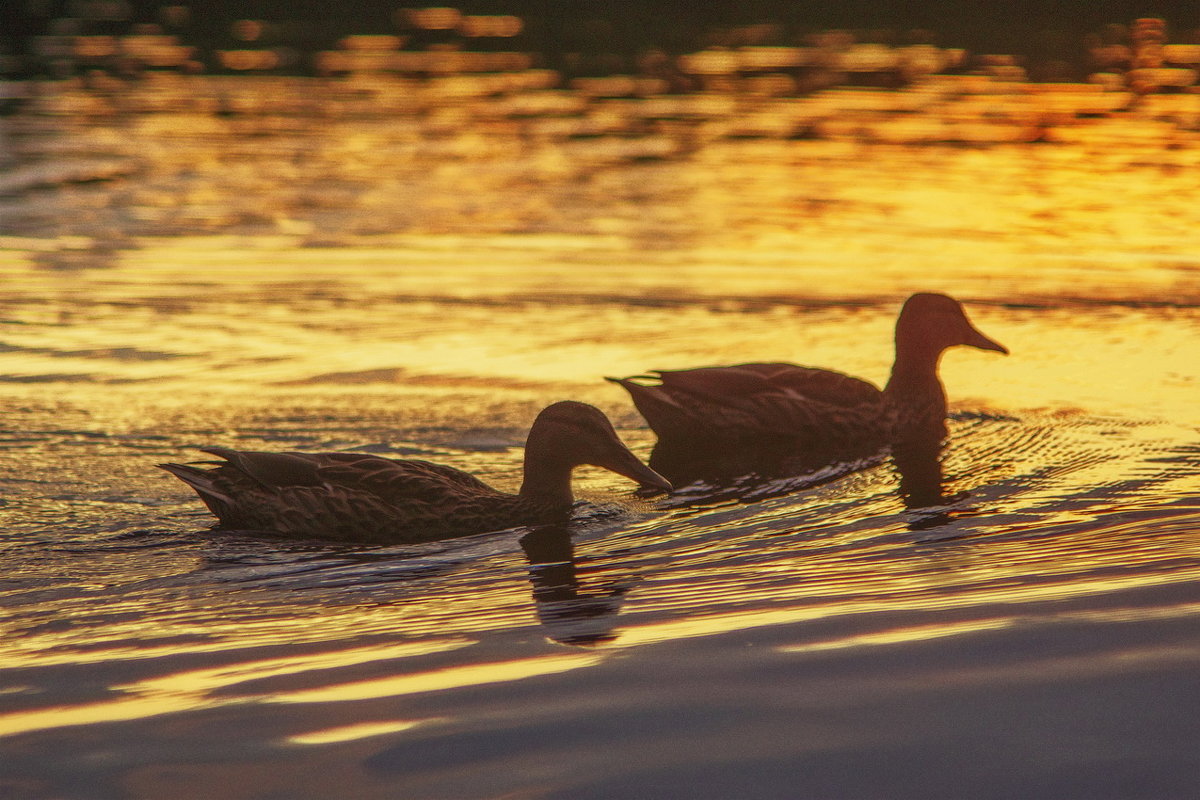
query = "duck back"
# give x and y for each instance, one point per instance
(758, 401)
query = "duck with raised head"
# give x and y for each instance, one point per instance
(367, 498)
(806, 407)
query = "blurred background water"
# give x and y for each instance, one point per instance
(404, 231)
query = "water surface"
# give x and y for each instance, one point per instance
(398, 283)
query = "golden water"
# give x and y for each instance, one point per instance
(416, 286)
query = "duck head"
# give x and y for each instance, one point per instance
(568, 434)
(930, 323)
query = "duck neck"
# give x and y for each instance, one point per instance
(547, 479)
(914, 379)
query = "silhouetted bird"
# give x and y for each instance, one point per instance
(802, 408)
(358, 497)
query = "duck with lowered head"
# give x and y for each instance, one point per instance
(804, 407)
(367, 498)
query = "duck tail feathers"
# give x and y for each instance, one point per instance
(221, 452)
(632, 380)
(201, 481)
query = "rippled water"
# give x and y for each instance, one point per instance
(402, 284)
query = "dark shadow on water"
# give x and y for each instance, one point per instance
(753, 471)
(568, 614)
(918, 463)
(684, 463)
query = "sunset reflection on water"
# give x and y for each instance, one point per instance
(413, 267)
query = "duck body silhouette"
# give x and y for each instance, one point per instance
(778, 405)
(367, 498)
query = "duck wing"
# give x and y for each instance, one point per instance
(757, 401)
(399, 480)
(410, 500)
(347, 496)
(728, 384)
(358, 472)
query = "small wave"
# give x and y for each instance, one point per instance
(31, 177)
(102, 353)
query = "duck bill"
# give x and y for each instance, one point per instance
(977, 339)
(625, 463)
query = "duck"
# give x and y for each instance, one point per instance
(367, 498)
(780, 404)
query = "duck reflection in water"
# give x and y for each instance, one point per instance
(569, 615)
(773, 420)
(917, 459)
